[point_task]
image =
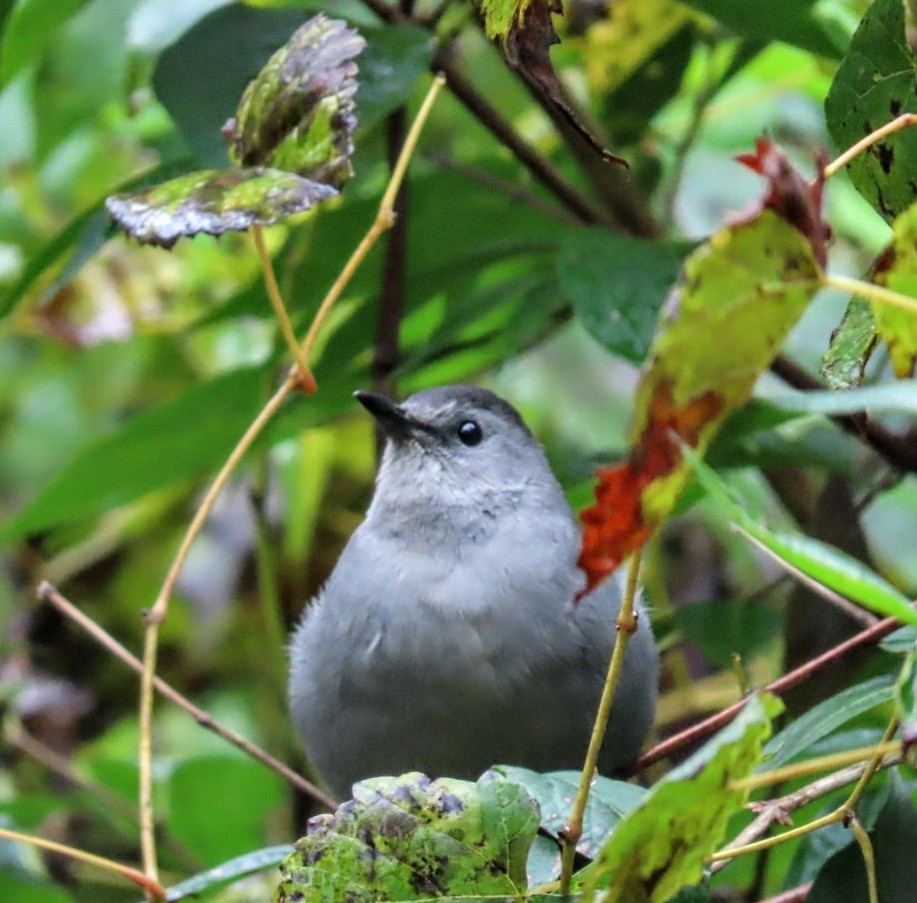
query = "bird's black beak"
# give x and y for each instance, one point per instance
(391, 417)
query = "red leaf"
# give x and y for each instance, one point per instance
(789, 195)
(615, 525)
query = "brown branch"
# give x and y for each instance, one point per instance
(387, 353)
(47, 593)
(797, 676)
(500, 128)
(900, 451)
(793, 895)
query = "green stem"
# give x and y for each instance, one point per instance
(626, 625)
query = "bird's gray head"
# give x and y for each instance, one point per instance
(457, 447)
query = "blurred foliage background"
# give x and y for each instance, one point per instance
(128, 373)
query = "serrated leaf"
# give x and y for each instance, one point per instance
(825, 718)
(409, 838)
(617, 285)
(825, 564)
(609, 802)
(214, 201)
(182, 437)
(660, 846)
(877, 81)
(524, 32)
(199, 104)
(897, 270)
(851, 345)
(298, 114)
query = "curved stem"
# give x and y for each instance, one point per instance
(878, 294)
(47, 593)
(151, 887)
(157, 614)
(819, 763)
(896, 125)
(790, 679)
(280, 311)
(869, 859)
(626, 625)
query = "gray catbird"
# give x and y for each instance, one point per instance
(446, 639)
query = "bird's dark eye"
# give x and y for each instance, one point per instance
(469, 433)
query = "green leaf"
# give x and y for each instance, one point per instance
(29, 29)
(227, 872)
(617, 285)
(25, 889)
(395, 60)
(85, 68)
(660, 846)
(200, 104)
(851, 345)
(825, 718)
(902, 641)
(298, 113)
(795, 22)
(827, 565)
(875, 83)
(900, 397)
(214, 201)
(155, 24)
(410, 838)
(183, 437)
(500, 15)
(894, 839)
(897, 270)
(609, 802)
(194, 787)
(722, 629)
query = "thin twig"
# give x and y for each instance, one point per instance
(17, 736)
(798, 675)
(153, 889)
(793, 895)
(869, 859)
(878, 294)
(387, 351)
(819, 763)
(280, 311)
(47, 593)
(845, 813)
(157, 614)
(778, 810)
(626, 626)
(896, 125)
